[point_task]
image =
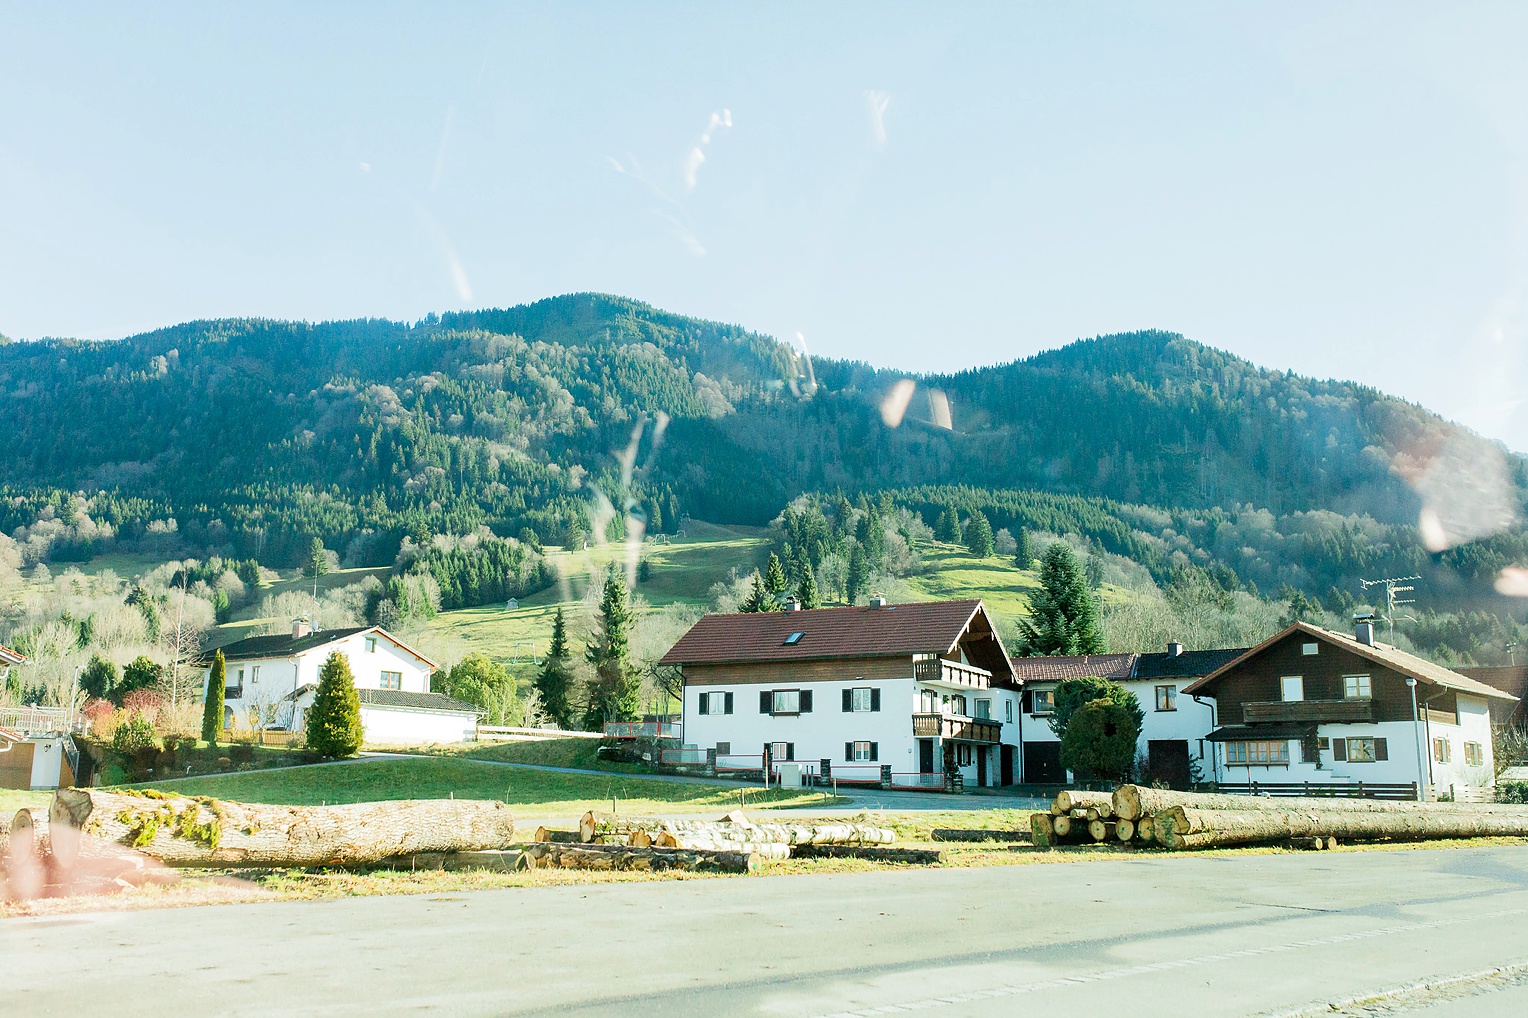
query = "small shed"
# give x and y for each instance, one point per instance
(39, 761)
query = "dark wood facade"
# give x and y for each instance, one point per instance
(778, 673)
(1257, 682)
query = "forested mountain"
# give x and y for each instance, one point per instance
(249, 437)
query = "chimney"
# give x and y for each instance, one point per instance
(793, 604)
(877, 601)
(1363, 632)
(1174, 648)
(300, 628)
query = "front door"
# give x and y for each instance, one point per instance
(981, 766)
(1042, 763)
(1167, 761)
(925, 756)
(1005, 764)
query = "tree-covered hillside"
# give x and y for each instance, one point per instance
(581, 416)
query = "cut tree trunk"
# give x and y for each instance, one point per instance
(565, 837)
(1068, 800)
(1133, 802)
(183, 831)
(1042, 830)
(735, 828)
(772, 850)
(916, 856)
(1146, 829)
(1100, 830)
(623, 857)
(1062, 825)
(1207, 828)
(1124, 830)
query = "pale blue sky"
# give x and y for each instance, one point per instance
(1338, 189)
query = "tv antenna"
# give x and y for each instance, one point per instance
(1396, 587)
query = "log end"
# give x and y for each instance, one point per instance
(1127, 802)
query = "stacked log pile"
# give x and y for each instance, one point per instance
(733, 833)
(1139, 816)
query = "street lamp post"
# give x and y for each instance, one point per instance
(1416, 740)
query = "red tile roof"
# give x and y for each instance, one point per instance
(931, 627)
(10, 657)
(1054, 669)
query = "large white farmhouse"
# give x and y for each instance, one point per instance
(892, 694)
(278, 675)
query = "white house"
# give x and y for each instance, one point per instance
(1329, 708)
(276, 676)
(887, 692)
(8, 658)
(1175, 728)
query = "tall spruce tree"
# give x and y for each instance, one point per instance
(758, 599)
(948, 527)
(859, 574)
(556, 677)
(1063, 613)
(616, 693)
(979, 535)
(333, 723)
(1023, 555)
(212, 706)
(806, 590)
(774, 577)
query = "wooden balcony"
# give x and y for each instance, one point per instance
(1308, 710)
(1440, 717)
(952, 673)
(945, 726)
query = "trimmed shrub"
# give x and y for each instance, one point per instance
(333, 723)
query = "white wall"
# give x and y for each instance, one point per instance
(1474, 726)
(47, 763)
(393, 725)
(1191, 722)
(823, 732)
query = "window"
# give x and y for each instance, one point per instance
(785, 701)
(1310, 649)
(1008, 711)
(1167, 698)
(234, 689)
(862, 698)
(793, 639)
(984, 709)
(779, 751)
(392, 680)
(724, 749)
(1443, 750)
(862, 752)
(254, 673)
(1291, 688)
(958, 705)
(963, 754)
(1360, 750)
(371, 645)
(1474, 754)
(928, 701)
(1356, 687)
(1042, 701)
(1258, 754)
(714, 703)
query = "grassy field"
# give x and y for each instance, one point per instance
(545, 793)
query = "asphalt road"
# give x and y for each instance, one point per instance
(1138, 936)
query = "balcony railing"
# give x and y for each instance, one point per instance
(1307, 710)
(943, 726)
(952, 673)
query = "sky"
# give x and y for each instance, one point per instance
(1336, 189)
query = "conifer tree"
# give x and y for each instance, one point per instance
(1063, 613)
(979, 535)
(555, 677)
(758, 599)
(616, 694)
(859, 574)
(948, 527)
(212, 708)
(1023, 555)
(774, 577)
(333, 723)
(806, 591)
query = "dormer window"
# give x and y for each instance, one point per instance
(793, 639)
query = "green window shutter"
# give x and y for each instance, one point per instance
(766, 701)
(875, 753)
(848, 700)
(875, 698)
(1381, 749)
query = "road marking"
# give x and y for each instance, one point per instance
(1162, 966)
(1445, 988)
